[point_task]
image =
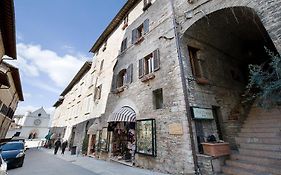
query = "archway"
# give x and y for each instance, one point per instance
(220, 46)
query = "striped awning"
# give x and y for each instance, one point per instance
(125, 114)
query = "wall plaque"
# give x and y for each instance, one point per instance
(202, 113)
(175, 129)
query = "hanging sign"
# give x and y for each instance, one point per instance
(202, 113)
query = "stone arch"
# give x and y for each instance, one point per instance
(220, 45)
(129, 103)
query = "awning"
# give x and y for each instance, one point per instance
(125, 114)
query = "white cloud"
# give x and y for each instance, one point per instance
(21, 110)
(34, 61)
(26, 94)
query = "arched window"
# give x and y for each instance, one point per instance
(121, 79)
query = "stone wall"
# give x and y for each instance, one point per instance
(174, 153)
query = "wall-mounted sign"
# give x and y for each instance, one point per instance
(175, 129)
(202, 113)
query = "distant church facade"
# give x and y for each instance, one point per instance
(32, 125)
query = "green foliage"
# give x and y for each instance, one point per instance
(264, 86)
(85, 144)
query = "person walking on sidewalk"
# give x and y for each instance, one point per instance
(63, 146)
(57, 146)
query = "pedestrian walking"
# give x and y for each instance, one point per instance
(57, 146)
(63, 146)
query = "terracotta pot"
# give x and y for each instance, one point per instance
(216, 149)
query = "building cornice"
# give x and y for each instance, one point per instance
(114, 23)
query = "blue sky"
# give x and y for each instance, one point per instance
(53, 41)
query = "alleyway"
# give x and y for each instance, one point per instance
(43, 162)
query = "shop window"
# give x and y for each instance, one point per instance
(146, 137)
(139, 32)
(125, 22)
(124, 45)
(98, 92)
(101, 65)
(149, 64)
(146, 4)
(197, 66)
(158, 99)
(104, 140)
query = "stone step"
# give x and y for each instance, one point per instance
(255, 167)
(259, 134)
(255, 159)
(260, 153)
(229, 170)
(245, 130)
(260, 110)
(266, 140)
(269, 147)
(262, 120)
(262, 125)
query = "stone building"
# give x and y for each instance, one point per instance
(183, 70)
(10, 85)
(10, 94)
(32, 125)
(176, 72)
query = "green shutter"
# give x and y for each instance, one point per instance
(134, 36)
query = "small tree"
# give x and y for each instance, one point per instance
(264, 84)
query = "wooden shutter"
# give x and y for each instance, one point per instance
(134, 36)
(156, 60)
(141, 70)
(114, 83)
(146, 26)
(129, 74)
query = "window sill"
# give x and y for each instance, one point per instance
(139, 40)
(147, 77)
(146, 6)
(125, 26)
(202, 81)
(119, 90)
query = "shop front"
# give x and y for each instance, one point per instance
(121, 135)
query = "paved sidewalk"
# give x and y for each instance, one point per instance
(101, 167)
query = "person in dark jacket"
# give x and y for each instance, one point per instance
(57, 146)
(63, 146)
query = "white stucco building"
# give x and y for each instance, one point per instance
(32, 125)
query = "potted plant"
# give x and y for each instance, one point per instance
(214, 148)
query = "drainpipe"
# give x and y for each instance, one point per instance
(185, 90)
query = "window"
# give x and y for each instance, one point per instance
(98, 93)
(158, 98)
(124, 77)
(104, 45)
(149, 64)
(125, 22)
(146, 4)
(101, 65)
(139, 32)
(196, 65)
(124, 45)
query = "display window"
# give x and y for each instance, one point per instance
(146, 137)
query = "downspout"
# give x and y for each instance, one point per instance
(185, 90)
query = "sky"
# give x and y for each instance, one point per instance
(53, 42)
